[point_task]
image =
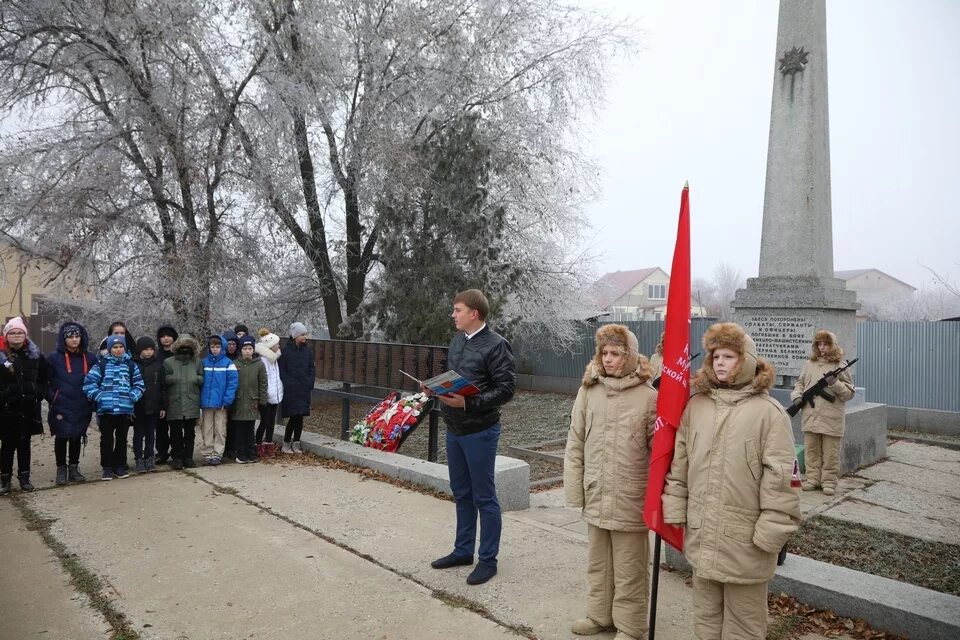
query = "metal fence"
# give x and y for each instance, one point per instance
(539, 355)
(904, 364)
(910, 364)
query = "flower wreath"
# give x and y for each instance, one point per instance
(389, 423)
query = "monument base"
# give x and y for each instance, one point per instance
(864, 435)
(782, 314)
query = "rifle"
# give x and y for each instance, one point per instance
(818, 389)
(656, 381)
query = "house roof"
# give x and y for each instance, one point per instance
(615, 284)
(856, 273)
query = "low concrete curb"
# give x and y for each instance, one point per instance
(885, 604)
(512, 475)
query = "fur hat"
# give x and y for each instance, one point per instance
(751, 369)
(834, 354)
(146, 342)
(619, 336)
(14, 324)
(298, 329)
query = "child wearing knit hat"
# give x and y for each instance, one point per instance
(297, 372)
(734, 484)
(268, 348)
(24, 374)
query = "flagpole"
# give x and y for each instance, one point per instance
(671, 399)
(655, 585)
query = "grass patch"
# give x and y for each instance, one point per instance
(931, 565)
(84, 580)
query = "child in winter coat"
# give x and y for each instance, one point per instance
(151, 407)
(166, 336)
(734, 484)
(183, 374)
(297, 371)
(251, 394)
(605, 474)
(69, 409)
(23, 384)
(115, 385)
(268, 348)
(823, 422)
(218, 393)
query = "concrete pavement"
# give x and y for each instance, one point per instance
(289, 550)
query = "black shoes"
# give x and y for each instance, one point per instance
(25, 484)
(482, 573)
(452, 560)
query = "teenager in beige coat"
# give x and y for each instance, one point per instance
(823, 423)
(734, 484)
(605, 474)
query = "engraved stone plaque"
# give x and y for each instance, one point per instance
(782, 340)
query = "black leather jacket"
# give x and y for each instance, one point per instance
(487, 361)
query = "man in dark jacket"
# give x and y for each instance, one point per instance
(69, 410)
(484, 357)
(23, 384)
(166, 336)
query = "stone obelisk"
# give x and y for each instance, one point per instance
(796, 293)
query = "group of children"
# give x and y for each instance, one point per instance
(733, 484)
(162, 392)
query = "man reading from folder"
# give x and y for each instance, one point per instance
(485, 358)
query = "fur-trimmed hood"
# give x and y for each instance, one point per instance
(752, 371)
(185, 340)
(835, 354)
(635, 365)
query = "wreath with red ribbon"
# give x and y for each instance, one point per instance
(389, 423)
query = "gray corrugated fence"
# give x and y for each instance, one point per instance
(910, 364)
(905, 364)
(537, 356)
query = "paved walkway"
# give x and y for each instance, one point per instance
(294, 551)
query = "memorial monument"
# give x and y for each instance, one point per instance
(796, 293)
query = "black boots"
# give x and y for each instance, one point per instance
(24, 479)
(5, 483)
(75, 475)
(61, 474)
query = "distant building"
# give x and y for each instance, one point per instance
(27, 282)
(881, 296)
(640, 294)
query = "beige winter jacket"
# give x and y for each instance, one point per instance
(825, 417)
(608, 448)
(730, 484)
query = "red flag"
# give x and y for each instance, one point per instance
(674, 381)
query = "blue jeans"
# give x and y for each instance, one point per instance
(144, 432)
(470, 460)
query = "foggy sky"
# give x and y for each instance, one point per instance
(694, 104)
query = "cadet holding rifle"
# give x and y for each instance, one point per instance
(822, 392)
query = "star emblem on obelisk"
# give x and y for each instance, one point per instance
(793, 61)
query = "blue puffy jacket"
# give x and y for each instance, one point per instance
(119, 388)
(70, 410)
(220, 381)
